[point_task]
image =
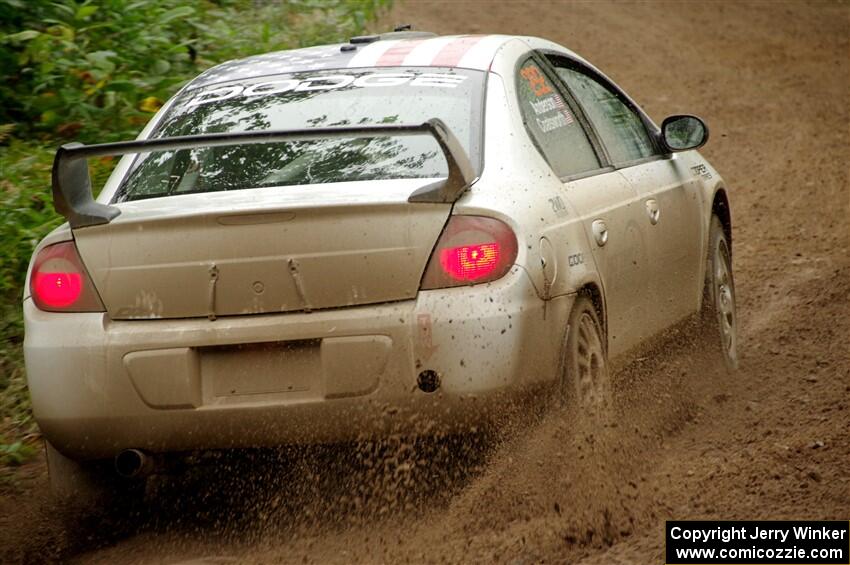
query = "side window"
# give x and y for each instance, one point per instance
(621, 130)
(552, 124)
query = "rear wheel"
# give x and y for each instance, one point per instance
(719, 302)
(585, 383)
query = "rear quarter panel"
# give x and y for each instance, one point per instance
(518, 186)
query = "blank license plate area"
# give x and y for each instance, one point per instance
(261, 368)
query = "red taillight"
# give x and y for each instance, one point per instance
(59, 282)
(58, 290)
(470, 262)
(471, 250)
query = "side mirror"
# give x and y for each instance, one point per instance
(683, 132)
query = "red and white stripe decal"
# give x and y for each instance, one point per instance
(395, 56)
(451, 54)
(469, 51)
(480, 56)
(424, 53)
(368, 55)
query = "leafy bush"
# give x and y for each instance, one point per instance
(14, 453)
(96, 71)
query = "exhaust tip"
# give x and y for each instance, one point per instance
(133, 464)
(428, 381)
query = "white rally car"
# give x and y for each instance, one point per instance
(397, 234)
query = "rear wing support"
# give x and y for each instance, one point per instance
(72, 191)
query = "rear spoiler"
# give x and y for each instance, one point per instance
(72, 191)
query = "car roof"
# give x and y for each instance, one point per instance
(387, 50)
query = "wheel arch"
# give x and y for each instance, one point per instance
(720, 207)
(594, 292)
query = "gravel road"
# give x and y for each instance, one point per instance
(772, 80)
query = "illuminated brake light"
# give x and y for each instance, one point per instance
(471, 250)
(58, 290)
(59, 282)
(470, 262)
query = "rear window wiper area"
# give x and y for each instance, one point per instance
(72, 191)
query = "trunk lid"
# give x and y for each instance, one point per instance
(263, 251)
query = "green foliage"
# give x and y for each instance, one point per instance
(26, 210)
(16, 421)
(15, 453)
(95, 71)
(26, 215)
(98, 70)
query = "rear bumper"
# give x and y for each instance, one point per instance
(100, 386)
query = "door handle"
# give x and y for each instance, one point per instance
(653, 211)
(600, 232)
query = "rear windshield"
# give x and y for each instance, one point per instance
(408, 96)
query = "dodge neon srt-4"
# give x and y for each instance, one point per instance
(395, 235)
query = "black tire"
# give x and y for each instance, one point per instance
(719, 309)
(585, 382)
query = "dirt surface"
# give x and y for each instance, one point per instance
(690, 441)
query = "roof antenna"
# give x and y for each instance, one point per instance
(403, 27)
